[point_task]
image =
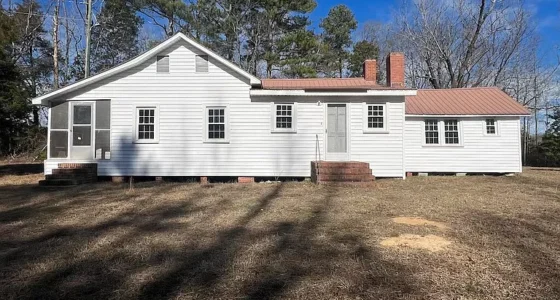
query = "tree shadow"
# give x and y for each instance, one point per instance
(94, 261)
(20, 169)
(530, 241)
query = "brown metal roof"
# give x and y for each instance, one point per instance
(323, 84)
(466, 101)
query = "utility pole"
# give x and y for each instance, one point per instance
(88, 38)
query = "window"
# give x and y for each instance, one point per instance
(375, 118)
(451, 132)
(491, 127)
(216, 127)
(163, 64)
(201, 63)
(147, 125)
(432, 132)
(284, 117)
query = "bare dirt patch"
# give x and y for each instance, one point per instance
(432, 243)
(415, 221)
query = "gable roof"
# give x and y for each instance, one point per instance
(490, 101)
(139, 60)
(358, 83)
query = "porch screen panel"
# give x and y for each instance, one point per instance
(59, 116)
(103, 129)
(58, 145)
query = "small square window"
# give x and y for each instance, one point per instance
(491, 127)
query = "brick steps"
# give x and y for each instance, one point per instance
(323, 172)
(70, 174)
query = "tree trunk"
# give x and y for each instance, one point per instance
(55, 45)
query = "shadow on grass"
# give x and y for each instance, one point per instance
(531, 241)
(252, 257)
(20, 169)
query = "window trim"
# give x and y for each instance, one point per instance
(205, 130)
(156, 125)
(274, 129)
(365, 110)
(441, 132)
(485, 127)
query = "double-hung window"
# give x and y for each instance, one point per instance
(284, 117)
(375, 118)
(432, 132)
(491, 128)
(147, 125)
(216, 124)
(451, 132)
(442, 132)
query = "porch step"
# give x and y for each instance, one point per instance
(68, 174)
(326, 171)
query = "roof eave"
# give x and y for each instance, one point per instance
(465, 115)
(352, 93)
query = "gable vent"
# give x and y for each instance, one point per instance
(163, 64)
(201, 63)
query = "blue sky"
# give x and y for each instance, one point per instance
(547, 17)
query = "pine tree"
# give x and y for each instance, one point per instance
(115, 38)
(363, 50)
(550, 146)
(299, 54)
(337, 35)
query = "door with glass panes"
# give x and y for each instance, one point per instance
(81, 131)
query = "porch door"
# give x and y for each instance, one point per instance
(337, 142)
(82, 131)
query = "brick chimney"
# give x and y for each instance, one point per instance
(395, 70)
(370, 70)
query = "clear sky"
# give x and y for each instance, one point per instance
(547, 17)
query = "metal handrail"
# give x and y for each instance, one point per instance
(317, 155)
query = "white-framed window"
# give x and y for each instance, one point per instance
(445, 132)
(431, 132)
(284, 117)
(375, 118)
(147, 124)
(162, 64)
(491, 127)
(216, 124)
(451, 132)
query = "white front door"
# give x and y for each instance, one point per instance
(82, 131)
(337, 132)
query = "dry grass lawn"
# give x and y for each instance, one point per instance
(496, 238)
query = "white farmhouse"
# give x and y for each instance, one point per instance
(182, 110)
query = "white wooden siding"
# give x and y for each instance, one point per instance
(253, 149)
(479, 153)
(383, 151)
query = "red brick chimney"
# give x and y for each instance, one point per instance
(395, 70)
(370, 70)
